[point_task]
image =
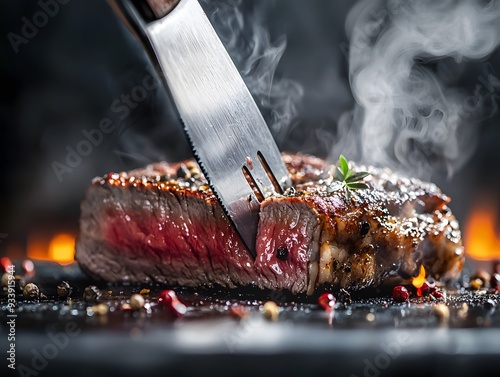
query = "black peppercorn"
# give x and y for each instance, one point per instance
(282, 253)
(91, 293)
(64, 289)
(31, 292)
(364, 228)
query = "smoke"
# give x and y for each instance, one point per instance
(405, 59)
(248, 42)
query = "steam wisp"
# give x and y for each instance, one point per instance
(249, 44)
(404, 58)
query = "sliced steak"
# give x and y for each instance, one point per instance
(163, 224)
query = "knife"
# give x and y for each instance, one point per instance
(228, 135)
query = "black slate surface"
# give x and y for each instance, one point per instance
(370, 336)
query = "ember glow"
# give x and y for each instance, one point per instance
(418, 281)
(62, 248)
(482, 240)
(59, 248)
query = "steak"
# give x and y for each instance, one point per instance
(163, 224)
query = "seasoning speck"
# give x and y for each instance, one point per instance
(126, 307)
(327, 301)
(476, 283)
(400, 294)
(31, 292)
(91, 293)
(63, 289)
(282, 253)
(136, 301)
(484, 276)
(271, 311)
(364, 228)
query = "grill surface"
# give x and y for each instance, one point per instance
(368, 336)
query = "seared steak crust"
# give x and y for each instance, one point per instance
(163, 224)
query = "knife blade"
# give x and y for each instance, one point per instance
(227, 132)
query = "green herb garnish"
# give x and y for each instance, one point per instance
(349, 179)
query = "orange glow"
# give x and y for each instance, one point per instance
(420, 279)
(481, 240)
(59, 248)
(37, 246)
(62, 248)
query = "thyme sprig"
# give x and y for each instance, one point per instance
(348, 179)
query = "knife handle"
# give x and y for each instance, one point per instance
(136, 13)
(160, 8)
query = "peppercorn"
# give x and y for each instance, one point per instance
(126, 307)
(437, 294)
(271, 311)
(91, 293)
(364, 228)
(426, 288)
(166, 297)
(484, 276)
(169, 301)
(31, 292)
(282, 253)
(64, 289)
(400, 294)
(136, 301)
(476, 283)
(238, 311)
(327, 301)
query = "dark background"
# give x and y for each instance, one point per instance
(65, 79)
